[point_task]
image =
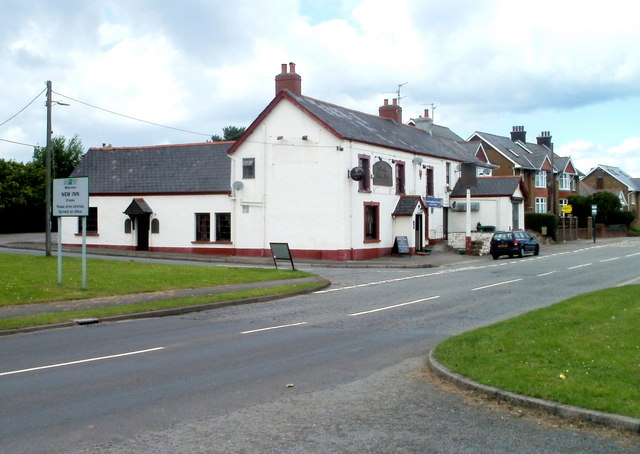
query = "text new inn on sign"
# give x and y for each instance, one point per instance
(71, 197)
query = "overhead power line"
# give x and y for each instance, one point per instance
(131, 118)
(21, 110)
(18, 143)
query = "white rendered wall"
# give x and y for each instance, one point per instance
(176, 215)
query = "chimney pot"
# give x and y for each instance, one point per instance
(426, 113)
(292, 67)
(386, 102)
(395, 101)
(284, 68)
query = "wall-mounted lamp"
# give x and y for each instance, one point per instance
(279, 138)
(305, 137)
(339, 148)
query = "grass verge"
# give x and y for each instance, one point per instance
(28, 279)
(134, 308)
(584, 351)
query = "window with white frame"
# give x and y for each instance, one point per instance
(541, 179)
(541, 204)
(564, 181)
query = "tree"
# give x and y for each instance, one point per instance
(608, 205)
(229, 133)
(65, 156)
(22, 204)
(22, 186)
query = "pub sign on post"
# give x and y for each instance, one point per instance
(71, 197)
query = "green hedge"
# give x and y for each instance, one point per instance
(535, 222)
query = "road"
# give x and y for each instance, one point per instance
(340, 370)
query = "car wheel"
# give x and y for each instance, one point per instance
(521, 253)
(495, 256)
(537, 251)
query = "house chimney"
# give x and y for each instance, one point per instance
(544, 139)
(425, 122)
(518, 133)
(289, 80)
(391, 112)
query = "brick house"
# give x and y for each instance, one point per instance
(548, 179)
(615, 180)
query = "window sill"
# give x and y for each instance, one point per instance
(88, 234)
(371, 241)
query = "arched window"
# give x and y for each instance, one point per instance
(127, 226)
(155, 226)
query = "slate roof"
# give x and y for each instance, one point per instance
(406, 205)
(632, 183)
(489, 187)
(162, 169)
(361, 127)
(138, 206)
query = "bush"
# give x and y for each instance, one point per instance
(622, 217)
(535, 222)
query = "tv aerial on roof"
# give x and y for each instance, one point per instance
(397, 92)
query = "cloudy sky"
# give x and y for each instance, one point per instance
(564, 66)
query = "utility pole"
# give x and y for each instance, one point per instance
(48, 175)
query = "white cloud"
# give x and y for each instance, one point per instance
(587, 155)
(205, 64)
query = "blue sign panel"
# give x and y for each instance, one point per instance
(434, 202)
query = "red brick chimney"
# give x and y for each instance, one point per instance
(289, 80)
(391, 112)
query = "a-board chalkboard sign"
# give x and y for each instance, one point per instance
(280, 251)
(401, 245)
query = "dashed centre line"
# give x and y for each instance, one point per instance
(579, 266)
(82, 361)
(496, 285)
(273, 327)
(421, 300)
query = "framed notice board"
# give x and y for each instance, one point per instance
(280, 251)
(401, 245)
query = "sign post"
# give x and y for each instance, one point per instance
(71, 199)
(594, 212)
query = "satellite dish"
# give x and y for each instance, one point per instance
(417, 160)
(237, 185)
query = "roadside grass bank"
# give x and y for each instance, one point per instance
(34, 279)
(584, 351)
(149, 306)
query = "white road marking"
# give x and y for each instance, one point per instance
(609, 260)
(273, 327)
(631, 255)
(579, 266)
(546, 274)
(394, 306)
(495, 285)
(89, 360)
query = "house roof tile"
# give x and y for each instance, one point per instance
(162, 169)
(489, 187)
